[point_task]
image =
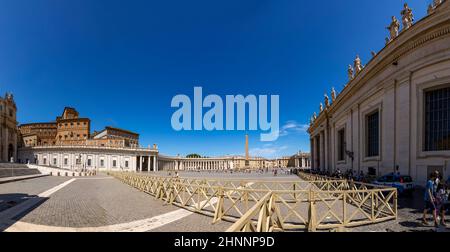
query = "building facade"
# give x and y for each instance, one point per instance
(394, 113)
(70, 130)
(78, 157)
(8, 129)
(300, 160)
(130, 139)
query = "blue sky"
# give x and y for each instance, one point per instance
(121, 62)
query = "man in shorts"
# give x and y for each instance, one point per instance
(430, 200)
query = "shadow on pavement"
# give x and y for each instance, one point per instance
(14, 206)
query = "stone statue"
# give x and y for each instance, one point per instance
(333, 94)
(430, 9)
(314, 116)
(433, 6)
(407, 17)
(350, 72)
(436, 3)
(9, 96)
(321, 107)
(327, 101)
(357, 65)
(393, 28)
(373, 53)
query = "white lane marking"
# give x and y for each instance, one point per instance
(134, 226)
(12, 212)
(51, 191)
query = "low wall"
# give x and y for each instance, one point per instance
(60, 172)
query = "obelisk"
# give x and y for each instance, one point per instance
(247, 162)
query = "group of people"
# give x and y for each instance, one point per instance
(436, 199)
(348, 174)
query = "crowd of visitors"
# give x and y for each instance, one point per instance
(348, 174)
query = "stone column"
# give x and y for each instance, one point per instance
(148, 163)
(140, 163)
(155, 163)
(313, 152)
(322, 150)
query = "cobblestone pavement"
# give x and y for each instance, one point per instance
(101, 201)
(93, 203)
(14, 193)
(410, 212)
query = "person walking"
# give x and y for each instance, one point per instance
(441, 201)
(429, 199)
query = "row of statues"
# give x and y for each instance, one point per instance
(407, 21)
(394, 30)
(327, 104)
(357, 67)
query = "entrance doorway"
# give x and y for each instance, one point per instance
(145, 161)
(10, 152)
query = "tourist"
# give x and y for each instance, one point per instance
(441, 201)
(361, 176)
(397, 173)
(338, 173)
(430, 200)
(437, 178)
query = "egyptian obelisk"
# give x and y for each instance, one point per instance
(247, 161)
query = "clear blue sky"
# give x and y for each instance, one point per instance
(121, 62)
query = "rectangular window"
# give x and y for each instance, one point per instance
(126, 164)
(54, 161)
(437, 120)
(65, 161)
(341, 144)
(373, 134)
(102, 163)
(78, 161)
(89, 162)
(45, 161)
(114, 163)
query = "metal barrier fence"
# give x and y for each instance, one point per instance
(273, 205)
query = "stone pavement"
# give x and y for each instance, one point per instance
(101, 203)
(410, 212)
(97, 203)
(17, 178)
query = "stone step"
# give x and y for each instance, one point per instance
(14, 172)
(12, 165)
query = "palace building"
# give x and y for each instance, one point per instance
(71, 130)
(67, 143)
(394, 113)
(68, 129)
(126, 138)
(8, 129)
